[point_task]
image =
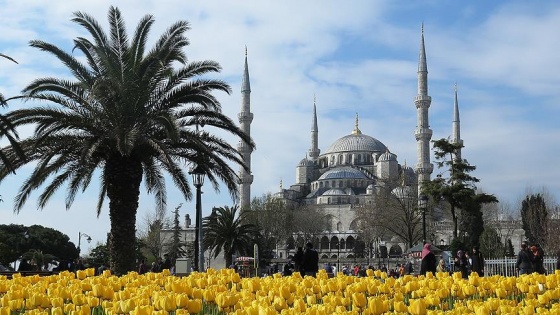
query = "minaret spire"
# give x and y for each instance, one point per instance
(245, 118)
(423, 133)
(456, 136)
(314, 151)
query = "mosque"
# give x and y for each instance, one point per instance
(348, 174)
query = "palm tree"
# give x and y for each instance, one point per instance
(225, 230)
(7, 130)
(130, 114)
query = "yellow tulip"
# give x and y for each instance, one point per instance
(400, 307)
(81, 274)
(311, 300)
(181, 300)
(142, 310)
(54, 311)
(194, 306)
(359, 300)
(377, 305)
(417, 307)
(93, 301)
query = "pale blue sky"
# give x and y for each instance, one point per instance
(355, 56)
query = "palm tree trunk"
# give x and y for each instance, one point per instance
(123, 176)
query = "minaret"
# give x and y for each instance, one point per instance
(245, 119)
(314, 151)
(423, 133)
(456, 136)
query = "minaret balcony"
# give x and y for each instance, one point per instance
(423, 134)
(245, 117)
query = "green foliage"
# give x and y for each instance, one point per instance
(99, 255)
(18, 239)
(459, 189)
(509, 249)
(176, 247)
(491, 245)
(39, 260)
(534, 217)
(227, 232)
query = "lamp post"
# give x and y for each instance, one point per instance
(80, 235)
(423, 203)
(198, 180)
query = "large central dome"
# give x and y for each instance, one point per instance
(357, 142)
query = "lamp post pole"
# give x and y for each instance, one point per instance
(80, 235)
(198, 180)
(423, 205)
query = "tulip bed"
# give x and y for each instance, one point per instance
(224, 292)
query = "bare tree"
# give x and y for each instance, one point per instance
(395, 212)
(150, 232)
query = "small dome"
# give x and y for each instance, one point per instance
(343, 172)
(387, 156)
(305, 162)
(334, 192)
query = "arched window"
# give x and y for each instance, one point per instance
(342, 244)
(350, 242)
(329, 200)
(334, 243)
(340, 159)
(324, 243)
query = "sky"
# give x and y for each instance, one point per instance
(349, 57)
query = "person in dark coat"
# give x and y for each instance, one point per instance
(538, 259)
(428, 260)
(166, 262)
(310, 263)
(525, 260)
(298, 260)
(477, 264)
(462, 264)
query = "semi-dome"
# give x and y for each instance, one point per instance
(343, 172)
(356, 142)
(334, 192)
(387, 156)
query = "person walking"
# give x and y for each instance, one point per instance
(310, 261)
(525, 260)
(429, 262)
(477, 261)
(298, 260)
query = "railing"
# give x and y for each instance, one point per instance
(507, 266)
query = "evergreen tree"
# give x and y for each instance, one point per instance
(176, 247)
(534, 217)
(509, 248)
(459, 189)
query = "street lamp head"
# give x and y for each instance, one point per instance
(197, 176)
(88, 239)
